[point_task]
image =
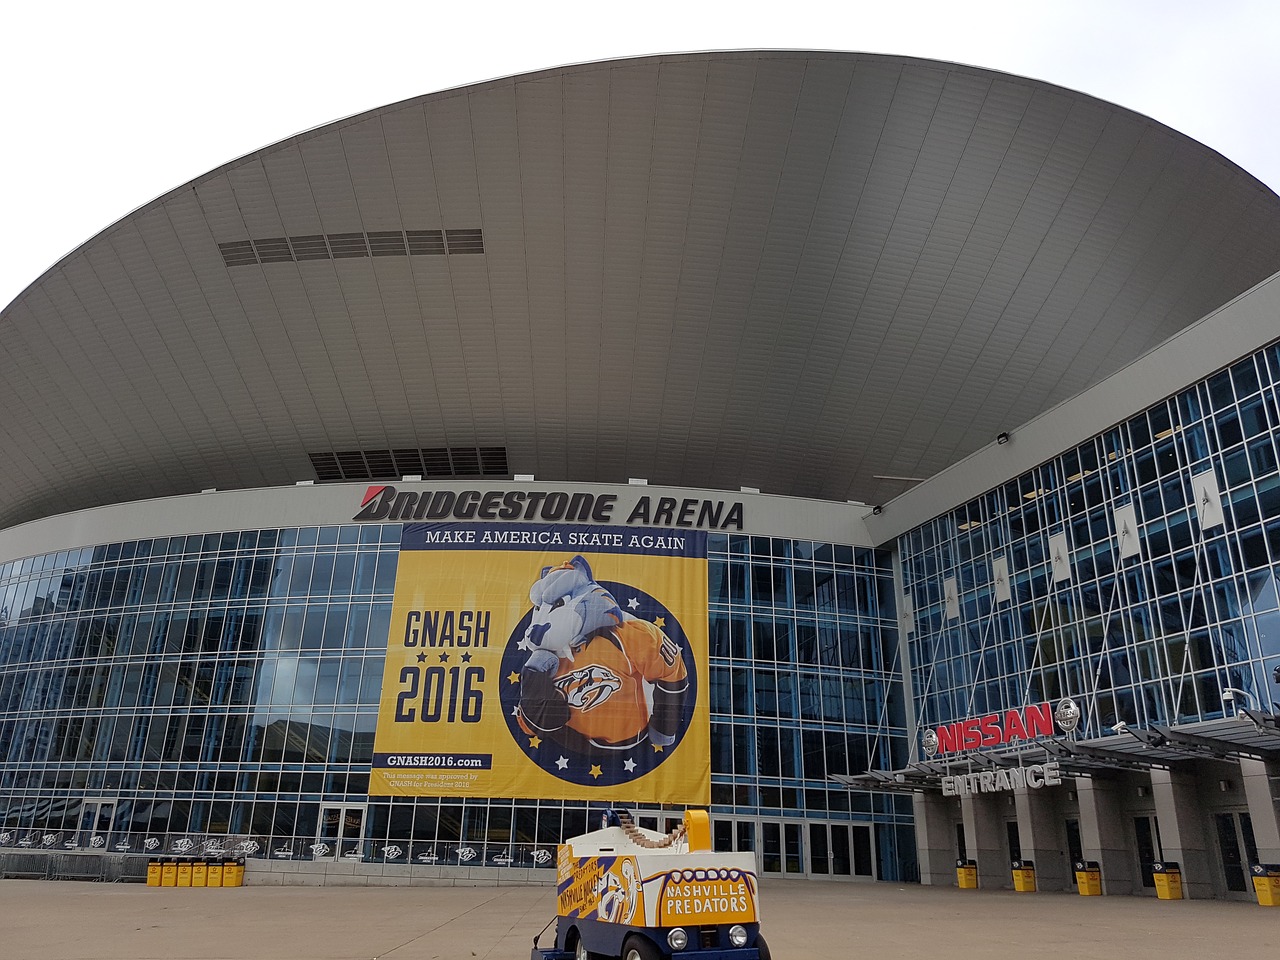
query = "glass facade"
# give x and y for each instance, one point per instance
(223, 689)
(1140, 599)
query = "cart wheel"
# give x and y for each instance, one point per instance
(638, 948)
(580, 951)
(762, 948)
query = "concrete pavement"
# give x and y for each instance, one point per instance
(43, 920)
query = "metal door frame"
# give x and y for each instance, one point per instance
(337, 853)
(84, 842)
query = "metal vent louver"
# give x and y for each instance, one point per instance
(430, 463)
(238, 254)
(273, 250)
(425, 243)
(347, 246)
(310, 248)
(464, 241)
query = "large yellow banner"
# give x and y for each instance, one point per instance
(546, 662)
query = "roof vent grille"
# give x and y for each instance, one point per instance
(433, 463)
(388, 243)
(310, 248)
(428, 243)
(238, 254)
(464, 241)
(273, 250)
(347, 246)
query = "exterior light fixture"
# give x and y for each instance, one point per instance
(877, 510)
(1002, 437)
(1229, 695)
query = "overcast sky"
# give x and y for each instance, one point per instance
(108, 105)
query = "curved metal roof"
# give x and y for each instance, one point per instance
(794, 271)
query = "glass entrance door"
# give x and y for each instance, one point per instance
(841, 863)
(793, 848)
(782, 848)
(819, 850)
(97, 819)
(341, 832)
(829, 849)
(1075, 847)
(1237, 848)
(1147, 831)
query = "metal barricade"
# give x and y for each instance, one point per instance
(70, 866)
(20, 865)
(125, 870)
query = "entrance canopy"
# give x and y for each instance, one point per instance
(1253, 735)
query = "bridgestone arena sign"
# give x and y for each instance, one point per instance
(385, 502)
(1035, 776)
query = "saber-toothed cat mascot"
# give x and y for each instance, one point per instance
(596, 677)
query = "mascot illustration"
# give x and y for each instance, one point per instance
(596, 678)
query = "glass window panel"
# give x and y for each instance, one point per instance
(371, 680)
(322, 575)
(300, 575)
(313, 627)
(357, 633)
(291, 629)
(344, 567)
(335, 628)
(385, 580)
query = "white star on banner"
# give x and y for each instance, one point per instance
(633, 604)
(629, 765)
(562, 763)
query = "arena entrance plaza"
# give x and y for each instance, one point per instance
(44, 920)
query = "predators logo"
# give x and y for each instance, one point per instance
(619, 892)
(588, 688)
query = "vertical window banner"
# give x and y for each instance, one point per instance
(547, 661)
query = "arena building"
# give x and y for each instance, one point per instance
(924, 417)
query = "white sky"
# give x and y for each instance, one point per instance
(108, 105)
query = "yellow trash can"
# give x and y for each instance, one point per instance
(213, 876)
(232, 873)
(184, 873)
(1088, 878)
(1168, 877)
(168, 873)
(967, 874)
(153, 873)
(1266, 884)
(200, 873)
(1024, 876)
